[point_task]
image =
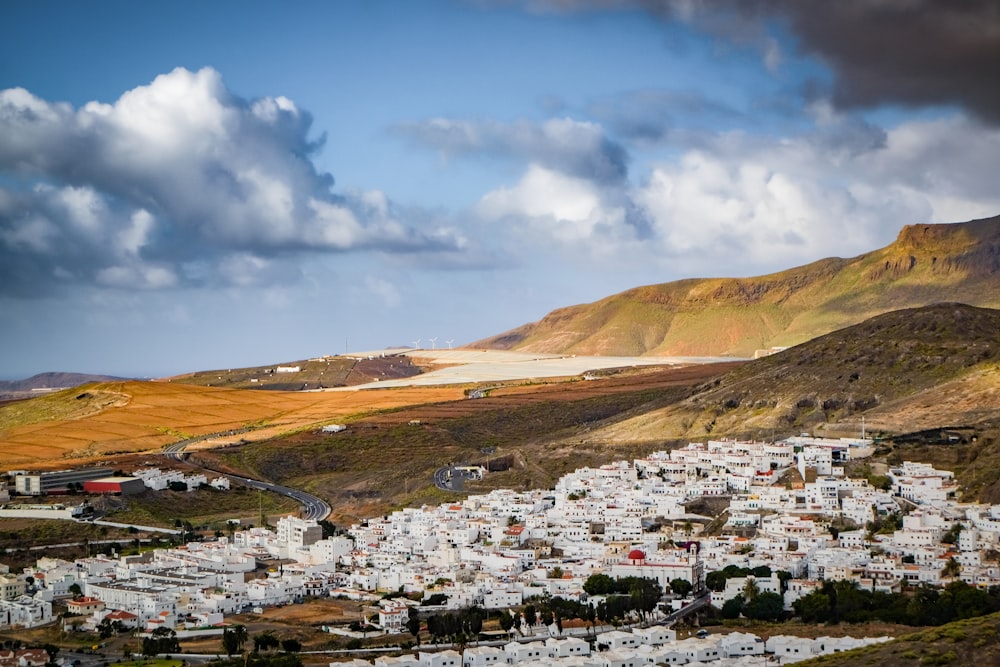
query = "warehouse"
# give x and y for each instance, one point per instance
(125, 486)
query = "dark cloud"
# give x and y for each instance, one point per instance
(178, 183)
(651, 115)
(572, 147)
(912, 52)
(909, 52)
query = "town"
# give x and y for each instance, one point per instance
(770, 531)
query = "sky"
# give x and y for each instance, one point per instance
(200, 185)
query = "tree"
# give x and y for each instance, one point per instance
(506, 621)
(413, 623)
(161, 640)
(750, 589)
(681, 587)
(233, 639)
(291, 645)
(951, 569)
(764, 607)
(813, 608)
(599, 584)
(733, 607)
(531, 615)
(716, 581)
(52, 651)
(265, 641)
(75, 590)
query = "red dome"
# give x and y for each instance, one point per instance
(636, 554)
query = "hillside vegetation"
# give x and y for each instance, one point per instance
(318, 373)
(884, 366)
(974, 641)
(736, 316)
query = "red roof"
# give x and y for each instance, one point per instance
(636, 554)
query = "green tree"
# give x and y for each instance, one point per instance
(265, 641)
(599, 584)
(716, 581)
(233, 639)
(733, 607)
(161, 640)
(813, 608)
(291, 645)
(506, 621)
(413, 623)
(951, 569)
(764, 607)
(681, 586)
(75, 590)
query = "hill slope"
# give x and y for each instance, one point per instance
(43, 382)
(914, 368)
(736, 316)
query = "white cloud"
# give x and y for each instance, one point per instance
(171, 175)
(748, 204)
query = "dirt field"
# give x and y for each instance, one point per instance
(117, 419)
(149, 415)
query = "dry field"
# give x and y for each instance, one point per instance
(146, 416)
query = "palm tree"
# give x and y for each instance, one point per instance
(951, 569)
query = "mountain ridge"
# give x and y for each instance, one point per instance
(928, 263)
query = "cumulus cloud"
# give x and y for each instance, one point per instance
(754, 202)
(179, 182)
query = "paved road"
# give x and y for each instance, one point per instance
(313, 507)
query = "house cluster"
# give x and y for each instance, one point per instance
(622, 519)
(20, 605)
(158, 480)
(655, 645)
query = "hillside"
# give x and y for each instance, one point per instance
(915, 368)
(935, 368)
(737, 316)
(318, 373)
(95, 421)
(973, 641)
(44, 382)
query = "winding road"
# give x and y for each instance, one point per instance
(313, 507)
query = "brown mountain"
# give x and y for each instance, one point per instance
(926, 264)
(910, 370)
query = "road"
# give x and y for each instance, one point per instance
(313, 507)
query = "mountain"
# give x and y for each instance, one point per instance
(737, 316)
(906, 370)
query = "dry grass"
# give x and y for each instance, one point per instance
(60, 429)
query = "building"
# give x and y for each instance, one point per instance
(121, 486)
(41, 483)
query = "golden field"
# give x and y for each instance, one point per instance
(101, 420)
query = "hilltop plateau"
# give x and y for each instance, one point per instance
(737, 316)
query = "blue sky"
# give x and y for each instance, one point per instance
(187, 185)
